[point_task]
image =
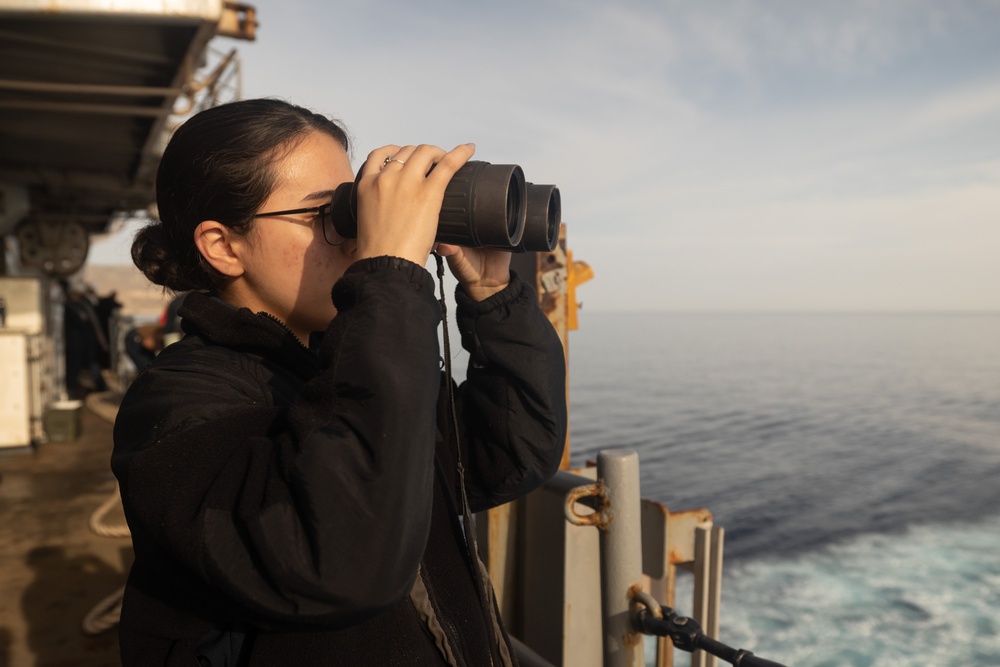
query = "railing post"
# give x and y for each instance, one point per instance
(621, 555)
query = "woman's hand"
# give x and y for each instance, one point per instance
(399, 199)
(482, 272)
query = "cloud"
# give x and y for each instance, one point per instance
(735, 146)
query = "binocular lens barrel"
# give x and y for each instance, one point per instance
(485, 206)
(544, 215)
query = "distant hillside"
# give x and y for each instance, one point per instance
(139, 297)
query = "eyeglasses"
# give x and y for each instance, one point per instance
(325, 212)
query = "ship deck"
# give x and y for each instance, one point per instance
(53, 569)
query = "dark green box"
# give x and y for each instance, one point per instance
(62, 421)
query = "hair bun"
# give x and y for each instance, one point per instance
(153, 254)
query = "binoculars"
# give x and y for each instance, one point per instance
(485, 206)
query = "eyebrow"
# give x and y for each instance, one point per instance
(321, 194)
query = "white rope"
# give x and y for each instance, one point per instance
(97, 523)
(106, 613)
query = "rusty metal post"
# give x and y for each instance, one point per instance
(619, 518)
(621, 556)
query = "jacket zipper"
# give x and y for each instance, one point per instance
(284, 327)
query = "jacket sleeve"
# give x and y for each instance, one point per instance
(512, 411)
(318, 511)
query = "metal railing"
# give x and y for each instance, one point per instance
(551, 569)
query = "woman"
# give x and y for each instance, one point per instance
(288, 469)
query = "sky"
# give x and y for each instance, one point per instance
(711, 156)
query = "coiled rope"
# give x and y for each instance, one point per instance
(106, 613)
(97, 523)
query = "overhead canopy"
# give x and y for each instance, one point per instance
(87, 90)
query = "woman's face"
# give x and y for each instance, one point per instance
(289, 268)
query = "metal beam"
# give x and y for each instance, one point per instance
(78, 107)
(87, 47)
(87, 88)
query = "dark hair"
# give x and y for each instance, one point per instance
(218, 165)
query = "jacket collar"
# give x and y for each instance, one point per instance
(212, 318)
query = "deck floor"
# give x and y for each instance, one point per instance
(53, 569)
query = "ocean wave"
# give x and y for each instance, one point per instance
(929, 595)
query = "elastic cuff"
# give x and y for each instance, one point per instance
(411, 270)
(345, 290)
(502, 299)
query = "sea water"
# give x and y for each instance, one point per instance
(853, 459)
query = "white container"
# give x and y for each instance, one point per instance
(25, 302)
(15, 390)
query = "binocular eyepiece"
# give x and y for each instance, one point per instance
(485, 206)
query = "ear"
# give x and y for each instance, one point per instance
(220, 246)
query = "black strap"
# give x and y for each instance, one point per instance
(501, 655)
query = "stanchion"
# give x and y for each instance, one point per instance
(618, 518)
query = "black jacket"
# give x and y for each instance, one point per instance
(284, 497)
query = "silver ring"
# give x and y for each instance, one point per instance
(390, 159)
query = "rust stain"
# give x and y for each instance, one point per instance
(494, 532)
(632, 640)
(601, 517)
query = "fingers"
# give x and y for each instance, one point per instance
(400, 195)
(450, 162)
(420, 159)
(395, 157)
(481, 272)
(446, 249)
(376, 159)
(398, 160)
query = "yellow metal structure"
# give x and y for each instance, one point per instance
(557, 276)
